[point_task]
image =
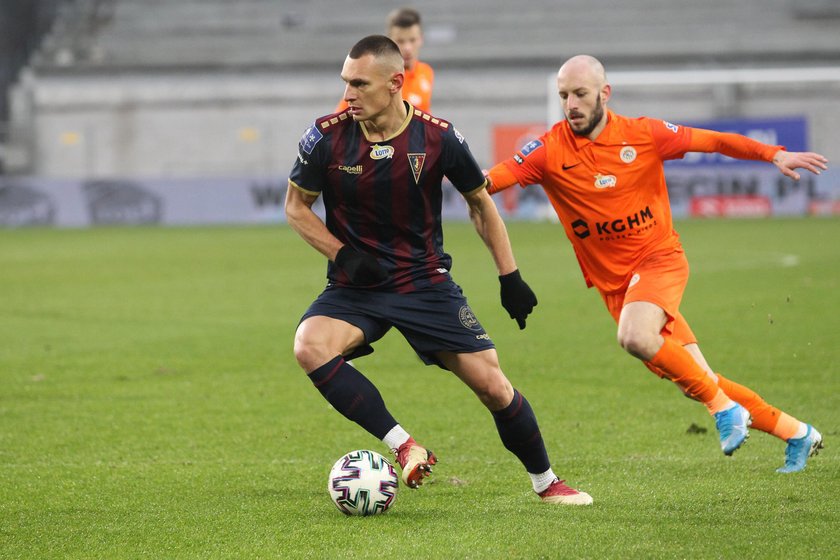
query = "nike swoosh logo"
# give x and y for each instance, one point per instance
(567, 167)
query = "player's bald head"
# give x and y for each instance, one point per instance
(382, 49)
(583, 67)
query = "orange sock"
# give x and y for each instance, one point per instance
(765, 417)
(679, 366)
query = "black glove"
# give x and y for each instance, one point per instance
(517, 297)
(361, 268)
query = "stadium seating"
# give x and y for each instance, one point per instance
(267, 33)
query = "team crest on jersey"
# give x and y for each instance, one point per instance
(672, 127)
(530, 147)
(627, 154)
(381, 152)
(311, 136)
(416, 162)
(605, 181)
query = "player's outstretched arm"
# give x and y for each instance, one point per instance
(788, 162)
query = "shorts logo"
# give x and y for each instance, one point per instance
(467, 318)
(605, 181)
(381, 152)
(530, 147)
(634, 280)
(627, 154)
(416, 162)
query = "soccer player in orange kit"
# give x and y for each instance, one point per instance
(604, 176)
(405, 29)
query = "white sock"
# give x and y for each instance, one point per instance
(543, 480)
(396, 437)
(800, 433)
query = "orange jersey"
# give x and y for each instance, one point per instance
(417, 88)
(610, 194)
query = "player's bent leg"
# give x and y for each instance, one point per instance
(319, 339)
(481, 372)
(639, 326)
(515, 421)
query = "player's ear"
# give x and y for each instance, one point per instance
(606, 91)
(397, 81)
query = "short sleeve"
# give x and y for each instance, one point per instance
(459, 164)
(528, 164)
(308, 171)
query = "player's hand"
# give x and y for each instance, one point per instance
(517, 297)
(362, 269)
(788, 161)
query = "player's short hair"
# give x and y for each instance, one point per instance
(379, 46)
(404, 18)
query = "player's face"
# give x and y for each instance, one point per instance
(582, 103)
(369, 86)
(409, 39)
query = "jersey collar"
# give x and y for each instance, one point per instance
(408, 117)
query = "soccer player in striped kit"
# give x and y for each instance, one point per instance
(379, 167)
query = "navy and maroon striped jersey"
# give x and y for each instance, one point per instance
(384, 198)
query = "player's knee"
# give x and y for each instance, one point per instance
(496, 392)
(637, 343)
(309, 353)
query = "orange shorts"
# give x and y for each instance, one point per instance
(659, 279)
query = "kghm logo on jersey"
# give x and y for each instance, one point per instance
(621, 228)
(381, 152)
(605, 181)
(627, 154)
(416, 161)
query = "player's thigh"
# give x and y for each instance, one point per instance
(319, 339)
(640, 319)
(481, 372)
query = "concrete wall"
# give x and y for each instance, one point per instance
(179, 125)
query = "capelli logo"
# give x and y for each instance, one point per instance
(351, 169)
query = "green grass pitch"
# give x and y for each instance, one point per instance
(151, 407)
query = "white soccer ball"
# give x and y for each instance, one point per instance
(363, 483)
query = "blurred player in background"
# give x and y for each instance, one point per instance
(603, 174)
(406, 30)
(379, 166)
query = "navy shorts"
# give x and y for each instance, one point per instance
(431, 320)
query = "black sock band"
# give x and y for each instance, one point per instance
(521, 435)
(353, 395)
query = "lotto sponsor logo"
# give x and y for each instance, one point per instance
(378, 151)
